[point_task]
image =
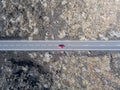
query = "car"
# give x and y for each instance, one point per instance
(61, 46)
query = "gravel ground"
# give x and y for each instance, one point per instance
(60, 20)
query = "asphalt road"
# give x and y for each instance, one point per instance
(37, 45)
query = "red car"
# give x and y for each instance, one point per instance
(61, 46)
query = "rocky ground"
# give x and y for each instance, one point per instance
(60, 20)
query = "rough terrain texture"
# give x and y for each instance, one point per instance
(60, 20)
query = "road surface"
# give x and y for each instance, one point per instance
(41, 45)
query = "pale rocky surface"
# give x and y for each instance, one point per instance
(60, 20)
